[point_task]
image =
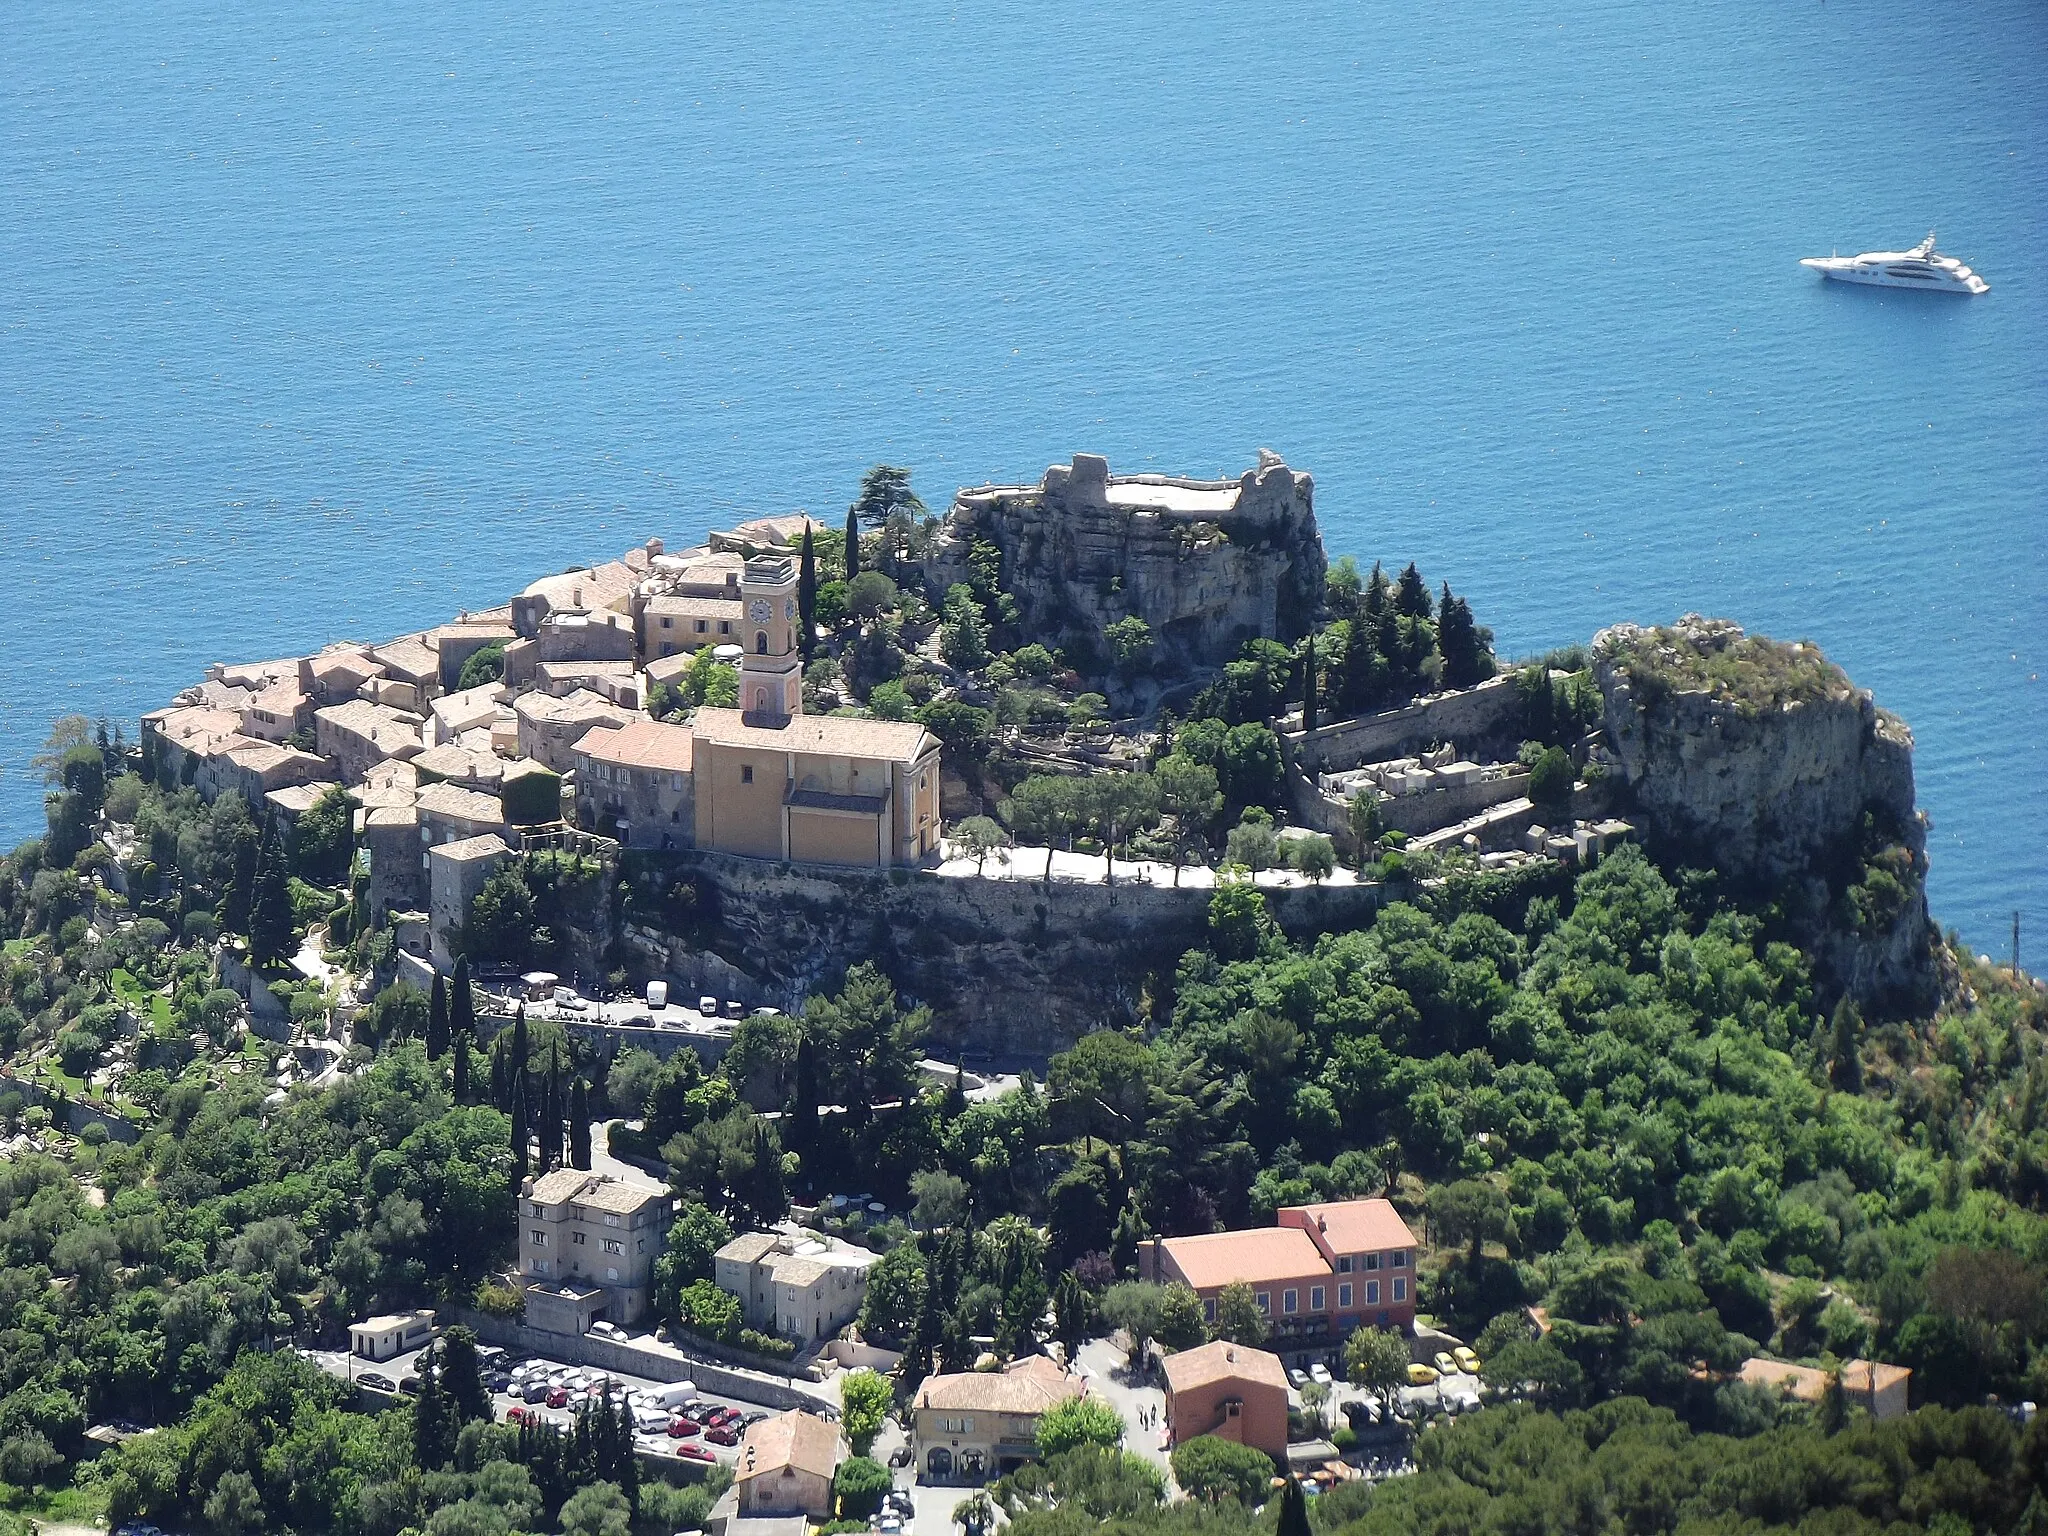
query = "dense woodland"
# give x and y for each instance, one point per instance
(1618, 1096)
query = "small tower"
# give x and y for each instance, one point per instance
(771, 672)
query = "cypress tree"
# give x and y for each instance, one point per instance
(461, 1001)
(1376, 593)
(766, 1193)
(234, 917)
(852, 546)
(579, 1125)
(437, 1019)
(461, 1072)
(501, 1087)
(550, 1118)
(1293, 1511)
(270, 909)
(520, 1048)
(1308, 686)
(806, 597)
(519, 1128)
(433, 1427)
(1845, 1031)
(802, 1135)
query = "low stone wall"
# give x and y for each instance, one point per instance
(1014, 969)
(77, 1113)
(647, 1359)
(1490, 710)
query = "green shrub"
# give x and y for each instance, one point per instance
(532, 797)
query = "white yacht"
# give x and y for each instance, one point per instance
(1921, 267)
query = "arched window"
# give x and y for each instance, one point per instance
(760, 642)
(761, 701)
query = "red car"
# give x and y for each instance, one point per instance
(695, 1453)
(515, 1413)
(684, 1428)
(559, 1398)
(718, 1417)
(722, 1434)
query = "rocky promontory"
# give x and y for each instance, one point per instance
(1762, 760)
(1207, 564)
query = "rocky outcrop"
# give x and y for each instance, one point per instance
(1762, 760)
(1013, 968)
(1207, 564)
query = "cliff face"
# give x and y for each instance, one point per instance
(1763, 760)
(1011, 968)
(1208, 564)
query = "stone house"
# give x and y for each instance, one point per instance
(339, 673)
(449, 813)
(251, 768)
(639, 781)
(455, 643)
(358, 735)
(549, 728)
(278, 712)
(674, 625)
(785, 1467)
(804, 1287)
(453, 715)
(184, 733)
(1231, 1391)
(595, 589)
(587, 1246)
(455, 872)
(969, 1426)
(1878, 1389)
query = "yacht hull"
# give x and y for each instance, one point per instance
(1841, 271)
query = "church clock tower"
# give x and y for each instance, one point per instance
(771, 672)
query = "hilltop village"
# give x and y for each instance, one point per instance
(1073, 1012)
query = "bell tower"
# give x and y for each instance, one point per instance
(771, 671)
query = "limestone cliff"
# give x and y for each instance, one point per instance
(1011, 968)
(1208, 564)
(1763, 760)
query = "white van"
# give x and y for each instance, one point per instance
(677, 1394)
(657, 994)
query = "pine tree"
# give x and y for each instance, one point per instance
(766, 1194)
(433, 1426)
(461, 1072)
(807, 597)
(1845, 1036)
(956, 1095)
(852, 546)
(270, 909)
(1411, 596)
(1466, 660)
(437, 1019)
(1377, 593)
(579, 1125)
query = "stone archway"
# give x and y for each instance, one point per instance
(939, 1462)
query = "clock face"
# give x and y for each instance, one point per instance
(789, 608)
(761, 610)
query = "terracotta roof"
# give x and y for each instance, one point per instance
(1258, 1256)
(378, 722)
(643, 744)
(450, 761)
(894, 741)
(1030, 1385)
(1356, 1226)
(197, 723)
(788, 1440)
(590, 1189)
(1222, 1361)
(410, 657)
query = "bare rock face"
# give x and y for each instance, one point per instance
(1207, 564)
(1763, 760)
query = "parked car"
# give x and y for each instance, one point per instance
(694, 1452)
(515, 1413)
(1467, 1361)
(536, 1390)
(900, 1457)
(1297, 1375)
(899, 1500)
(684, 1428)
(558, 1397)
(735, 1010)
(708, 1006)
(1444, 1363)
(605, 1330)
(723, 1434)
(409, 1384)
(1421, 1375)
(378, 1381)
(1319, 1374)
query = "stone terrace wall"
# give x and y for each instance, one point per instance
(1490, 711)
(1012, 968)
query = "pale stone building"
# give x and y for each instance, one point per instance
(639, 783)
(785, 1467)
(358, 735)
(587, 1246)
(970, 1426)
(804, 1287)
(549, 728)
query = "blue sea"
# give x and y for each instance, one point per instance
(327, 319)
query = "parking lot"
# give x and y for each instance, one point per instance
(526, 1387)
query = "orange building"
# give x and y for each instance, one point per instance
(1231, 1391)
(1320, 1272)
